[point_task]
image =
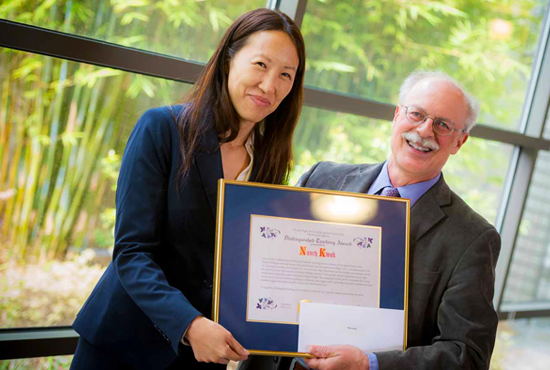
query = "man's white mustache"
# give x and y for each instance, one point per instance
(419, 140)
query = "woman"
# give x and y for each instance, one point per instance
(150, 309)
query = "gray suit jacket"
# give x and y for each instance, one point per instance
(453, 253)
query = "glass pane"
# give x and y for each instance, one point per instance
(54, 363)
(39, 363)
(333, 136)
(489, 46)
(522, 344)
(476, 173)
(546, 133)
(187, 29)
(529, 275)
(63, 129)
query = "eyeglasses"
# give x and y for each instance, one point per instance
(440, 127)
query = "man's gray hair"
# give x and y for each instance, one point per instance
(417, 76)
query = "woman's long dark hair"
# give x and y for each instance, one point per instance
(209, 103)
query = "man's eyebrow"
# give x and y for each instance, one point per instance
(271, 61)
(446, 119)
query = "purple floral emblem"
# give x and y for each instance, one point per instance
(363, 242)
(268, 232)
(265, 304)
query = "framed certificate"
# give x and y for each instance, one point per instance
(279, 246)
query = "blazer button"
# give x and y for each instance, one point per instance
(208, 284)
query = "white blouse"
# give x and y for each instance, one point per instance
(245, 174)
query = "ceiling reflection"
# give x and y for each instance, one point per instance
(345, 209)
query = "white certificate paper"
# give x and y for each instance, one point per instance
(370, 329)
(293, 260)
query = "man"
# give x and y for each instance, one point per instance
(453, 250)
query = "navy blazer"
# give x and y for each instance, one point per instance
(161, 274)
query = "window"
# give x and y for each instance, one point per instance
(39, 363)
(367, 48)
(546, 133)
(477, 173)
(529, 275)
(187, 29)
(63, 130)
(332, 136)
(522, 344)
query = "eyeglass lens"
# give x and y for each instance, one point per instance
(417, 117)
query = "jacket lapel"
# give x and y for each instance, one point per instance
(360, 182)
(209, 166)
(427, 212)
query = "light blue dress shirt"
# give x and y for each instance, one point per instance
(413, 192)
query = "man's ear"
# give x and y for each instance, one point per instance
(459, 143)
(396, 113)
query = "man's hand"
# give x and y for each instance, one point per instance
(211, 342)
(337, 357)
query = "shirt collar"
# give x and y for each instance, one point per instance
(249, 146)
(412, 191)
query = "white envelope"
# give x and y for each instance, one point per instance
(370, 329)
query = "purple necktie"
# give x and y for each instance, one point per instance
(388, 191)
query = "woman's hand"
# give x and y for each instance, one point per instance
(211, 342)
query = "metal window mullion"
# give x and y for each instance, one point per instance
(79, 49)
(272, 4)
(37, 342)
(337, 102)
(512, 212)
(525, 310)
(538, 96)
(295, 9)
(524, 314)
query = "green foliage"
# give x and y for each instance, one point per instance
(41, 363)
(489, 46)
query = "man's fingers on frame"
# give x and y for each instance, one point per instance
(320, 351)
(312, 363)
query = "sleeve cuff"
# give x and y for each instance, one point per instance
(184, 341)
(373, 361)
